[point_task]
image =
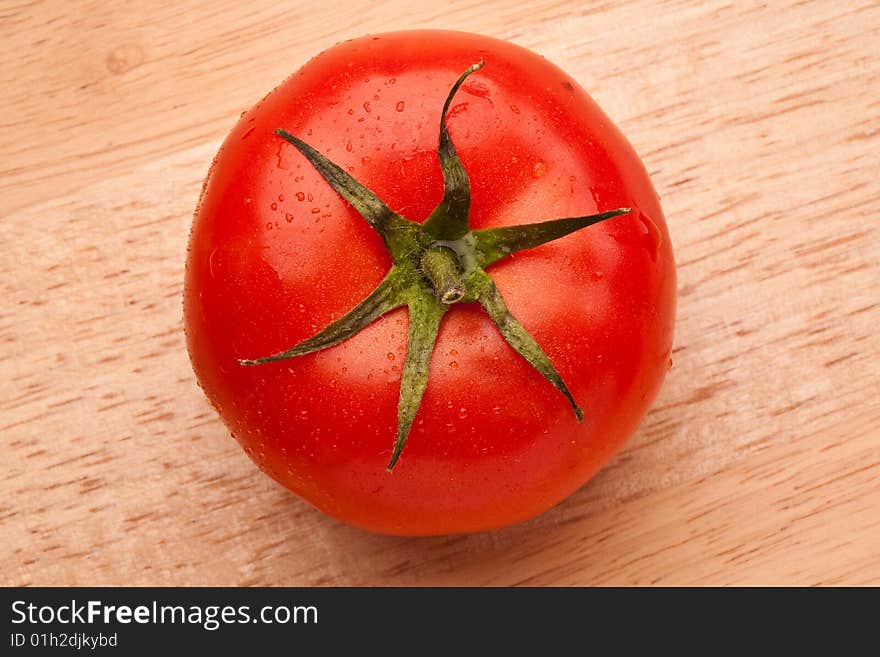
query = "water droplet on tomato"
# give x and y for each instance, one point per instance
(454, 365)
(476, 88)
(539, 169)
(248, 133)
(457, 109)
(316, 210)
(496, 410)
(288, 216)
(651, 237)
(274, 206)
(597, 275)
(349, 147)
(281, 197)
(514, 109)
(462, 412)
(400, 105)
(211, 263)
(390, 356)
(669, 364)
(300, 196)
(453, 353)
(366, 106)
(279, 156)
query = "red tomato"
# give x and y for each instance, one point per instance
(276, 255)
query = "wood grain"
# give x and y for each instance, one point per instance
(760, 461)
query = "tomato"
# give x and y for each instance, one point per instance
(277, 254)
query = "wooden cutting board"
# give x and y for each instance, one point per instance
(760, 461)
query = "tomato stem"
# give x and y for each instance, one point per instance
(442, 268)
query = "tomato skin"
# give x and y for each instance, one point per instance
(275, 255)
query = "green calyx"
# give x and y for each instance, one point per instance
(435, 265)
